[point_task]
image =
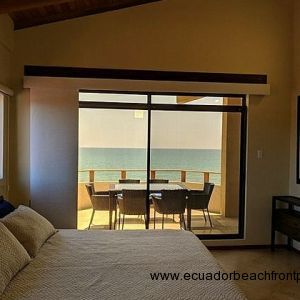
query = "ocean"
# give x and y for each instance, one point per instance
(135, 158)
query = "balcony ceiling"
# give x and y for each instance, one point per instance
(28, 13)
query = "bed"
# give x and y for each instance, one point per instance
(117, 265)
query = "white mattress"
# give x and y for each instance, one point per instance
(117, 265)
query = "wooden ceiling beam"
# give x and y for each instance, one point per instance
(10, 6)
(21, 19)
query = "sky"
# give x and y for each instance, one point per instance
(110, 128)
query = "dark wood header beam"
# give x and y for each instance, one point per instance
(75, 72)
(9, 6)
(28, 13)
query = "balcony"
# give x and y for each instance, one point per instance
(221, 222)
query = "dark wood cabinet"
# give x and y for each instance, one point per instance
(285, 220)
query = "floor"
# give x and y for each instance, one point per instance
(281, 260)
(220, 223)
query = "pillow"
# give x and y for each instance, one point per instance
(5, 207)
(13, 257)
(30, 228)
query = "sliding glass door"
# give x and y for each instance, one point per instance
(196, 150)
(112, 152)
(186, 151)
(188, 143)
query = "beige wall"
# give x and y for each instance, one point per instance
(6, 48)
(250, 36)
(230, 160)
(294, 187)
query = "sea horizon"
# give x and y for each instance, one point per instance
(161, 158)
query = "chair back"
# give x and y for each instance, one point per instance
(208, 188)
(99, 202)
(133, 202)
(129, 181)
(200, 199)
(90, 189)
(171, 202)
(159, 181)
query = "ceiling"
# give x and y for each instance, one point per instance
(28, 13)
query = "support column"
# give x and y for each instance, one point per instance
(230, 161)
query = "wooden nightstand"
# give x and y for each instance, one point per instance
(285, 220)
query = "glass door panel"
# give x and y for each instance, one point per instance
(112, 148)
(190, 150)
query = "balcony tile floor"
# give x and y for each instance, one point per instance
(221, 224)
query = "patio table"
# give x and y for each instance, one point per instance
(117, 188)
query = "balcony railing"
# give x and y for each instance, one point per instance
(153, 173)
(112, 176)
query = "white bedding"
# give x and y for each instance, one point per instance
(117, 265)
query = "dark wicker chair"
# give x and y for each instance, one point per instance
(90, 188)
(170, 202)
(159, 180)
(100, 202)
(200, 199)
(132, 202)
(129, 181)
(94, 191)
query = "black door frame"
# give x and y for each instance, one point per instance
(149, 107)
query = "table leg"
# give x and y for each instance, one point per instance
(110, 219)
(189, 219)
(290, 243)
(272, 228)
(110, 210)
